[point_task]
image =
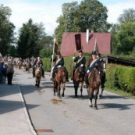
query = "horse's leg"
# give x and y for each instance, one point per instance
(36, 81)
(76, 88)
(54, 87)
(90, 97)
(81, 89)
(102, 85)
(58, 89)
(96, 96)
(63, 89)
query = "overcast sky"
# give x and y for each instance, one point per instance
(47, 11)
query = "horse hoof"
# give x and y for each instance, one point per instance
(91, 105)
(62, 95)
(96, 108)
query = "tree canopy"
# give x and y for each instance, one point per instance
(89, 14)
(6, 30)
(30, 37)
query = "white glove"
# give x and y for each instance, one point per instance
(73, 58)
(88, 71)
(81, 65)
(59, 66)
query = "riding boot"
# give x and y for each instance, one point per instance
(73, 74)
(43, 73)
(33, 71)
(86, 81)
(67, 76)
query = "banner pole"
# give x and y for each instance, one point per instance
(54, 40)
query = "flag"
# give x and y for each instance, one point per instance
(96, 46)
(78, 41)
(55, 47)
(87, 36)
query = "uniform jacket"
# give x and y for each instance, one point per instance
(79, 61)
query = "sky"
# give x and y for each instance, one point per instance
(47, 11)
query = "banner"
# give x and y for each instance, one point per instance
(87, 36)
(96, 46)
(55, 48)
(78, 41)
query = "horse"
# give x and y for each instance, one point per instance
(27, 66)
(94, 84)
(38, 74)
(78, 78)
(9, 73)
(19, 63)
(59, 79)
(102, 76)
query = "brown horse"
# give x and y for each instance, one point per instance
(38, 74)
(94, 83)
(60, 79)
(27, 66)
(20, 64)
(78, 78)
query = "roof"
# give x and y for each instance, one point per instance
(103, 41)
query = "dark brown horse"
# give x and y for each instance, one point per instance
(94, 83)
(102, 69)
(60, 79)
(78, 79)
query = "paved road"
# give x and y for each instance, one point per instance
(70, 116)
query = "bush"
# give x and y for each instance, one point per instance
(47, 64)
(120, 77)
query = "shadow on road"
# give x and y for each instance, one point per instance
(7, 106)
(116, 106)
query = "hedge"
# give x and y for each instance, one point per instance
(120, 77)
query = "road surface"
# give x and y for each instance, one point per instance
(73, 116)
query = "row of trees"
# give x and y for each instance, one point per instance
(123, 34)
(78, 17)
(93, 15)
(6, 30)
(32, 39)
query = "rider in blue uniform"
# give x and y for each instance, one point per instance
(93, 63)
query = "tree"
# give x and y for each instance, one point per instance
(29, 39)
(114, 42)
(6, 30)
(126, 37)
(128, 15)
(90, 14)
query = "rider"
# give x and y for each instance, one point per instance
(93, 62)
(59, 61)
(37, 62)
(79, 60)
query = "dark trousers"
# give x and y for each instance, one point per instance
(9, 78)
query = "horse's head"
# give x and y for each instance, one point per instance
(38, 70)
(79, 74)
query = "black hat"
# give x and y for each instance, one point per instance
(58, 53)
(80, 51)
(93, 53)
